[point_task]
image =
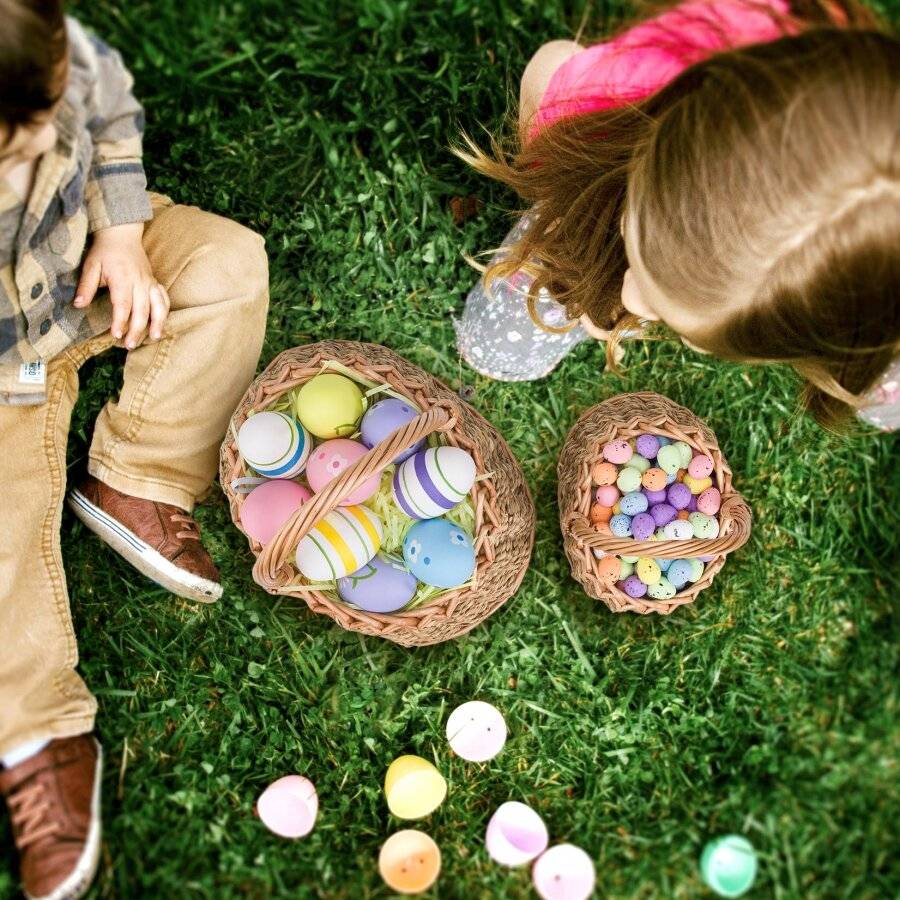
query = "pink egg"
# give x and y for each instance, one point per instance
(330, 459)
(607, 495)
(617, 451)
(564, 872)
(700, 466)
(289, 806)
(709, 501)
(267, 507)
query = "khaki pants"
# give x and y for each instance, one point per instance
(158, 441)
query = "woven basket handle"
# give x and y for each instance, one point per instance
(734, 523)
(273, 568)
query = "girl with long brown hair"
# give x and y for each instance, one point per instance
(730, 168)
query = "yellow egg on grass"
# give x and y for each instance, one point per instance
(413, 787)
(330, 406)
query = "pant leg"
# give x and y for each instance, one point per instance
(160, 440)
(41, 695)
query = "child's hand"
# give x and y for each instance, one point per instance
(117, 261)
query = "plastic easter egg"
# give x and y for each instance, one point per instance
(633, 503)
(648, 571)
(344, 541)
(617, 452)
(274, 444)
(697, 485)
(604, 473)
(607, 495)
(289, 806)
(476, 731)
(642, 527)
(662, 513)
(515, 835)
(678, 495)
(620, 525)
(654, 497)
(728, 865)
(409, 862)
(609, 568)
(628, 480)
(330, 406)
(634, 587)
(638, 462)
(705, 527)
(679, 573)
(267, 507)
(700, 466)
(679, 530)
(685, 453)
(439, 553)
(709, 501)
(662, 589)
(600, 514)
(330, 459)
(413, 787)
(564, 872)
(696, 567)
(434, 481)
(669, 459)
(654, 479)
(383, 419)
(647, 445)
(382, 585)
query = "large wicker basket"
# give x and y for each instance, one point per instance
(627, 416)
(504, 512)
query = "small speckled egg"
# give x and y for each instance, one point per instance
(602, 528)
(438, 552)
(662, 589)
(607, 495)
(642, 527)
(617, 452)
(629, 480)
(616, 509)
(633, 503)
(625, 570)
(654, 497)
(709, 501)
(678, 495)
(647, 445)
(330, 459)
(630, 559)
(685, 453)
(700, 466)
(697, 485)
(330, 406)
(600, 514)
(705, 527)
(648, 571)
(664, 565)
(654, 479)
(679, 573)
(383, 419)
(662, 513)
(663, 440)
(659, 535)
(604, 473)
(684, 514)
(609, 568)
(620, 525)
(696, 567)
(669, 459)
(692, 504)
(633, 586)
(679, 530)
(382, 585)
(639, 462)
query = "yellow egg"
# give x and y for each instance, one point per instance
(330, 406)
(413, 787)
(697, 485)
(648, 571)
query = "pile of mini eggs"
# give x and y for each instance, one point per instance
(654, 489)
(343, 547)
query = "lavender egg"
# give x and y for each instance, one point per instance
(382, 585)
(383, 419)
(633, 586)
(679, 495)
(654, 497)
(647, 445)
(642, 527)
(662, 513)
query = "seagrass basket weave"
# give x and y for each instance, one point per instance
(504, 512)
(626, 416)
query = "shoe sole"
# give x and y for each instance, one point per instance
(79, 880)
(141, 555)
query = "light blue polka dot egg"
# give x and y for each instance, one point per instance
(439, 553)
(620, 525)
(633, 503)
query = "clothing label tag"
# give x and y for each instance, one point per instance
(33, 373)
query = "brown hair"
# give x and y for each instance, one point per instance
(32, 46)
(765, 187)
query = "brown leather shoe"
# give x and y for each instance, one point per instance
(54, 803)
(158, 539)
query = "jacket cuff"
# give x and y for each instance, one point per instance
(117, 195)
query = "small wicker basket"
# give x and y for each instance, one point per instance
(504, 512)
(627, 416)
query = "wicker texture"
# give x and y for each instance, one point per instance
(627, 416)
(504, 512)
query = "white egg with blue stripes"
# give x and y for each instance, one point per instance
(434, 481)
(274, 444)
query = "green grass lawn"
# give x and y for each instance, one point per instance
(768, 708)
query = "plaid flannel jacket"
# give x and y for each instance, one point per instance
(92, 179)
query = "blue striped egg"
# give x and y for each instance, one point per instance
(344, 541)
(274, 444)
(431, 482)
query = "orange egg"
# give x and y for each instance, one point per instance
(600, 514)
(604, 473)
(683, 514)
(603, 528)
(679, 475)
(654, 479)
(609, 567)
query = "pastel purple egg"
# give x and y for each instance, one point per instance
(662, 514)
(633, 586)
(382, 585)
(692, 504)
(383, 419)
(643, 526)
(647, 445)
(700, 466)
(654, 497)
(679, 495)
(709, 501)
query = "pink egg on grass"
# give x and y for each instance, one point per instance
(330, 459)
(289, 806)
(564, 872)
(515, 835)
(476, 731)
(267, 507)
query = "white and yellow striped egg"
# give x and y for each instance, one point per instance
(344, 541)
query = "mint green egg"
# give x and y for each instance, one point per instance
(627, 569)
(697, 568)
(662, 590)
(629, 480)
(641, 463)
(705, 527)
(669, 459)
(629, 559)
(686, 454)
(728, 865)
